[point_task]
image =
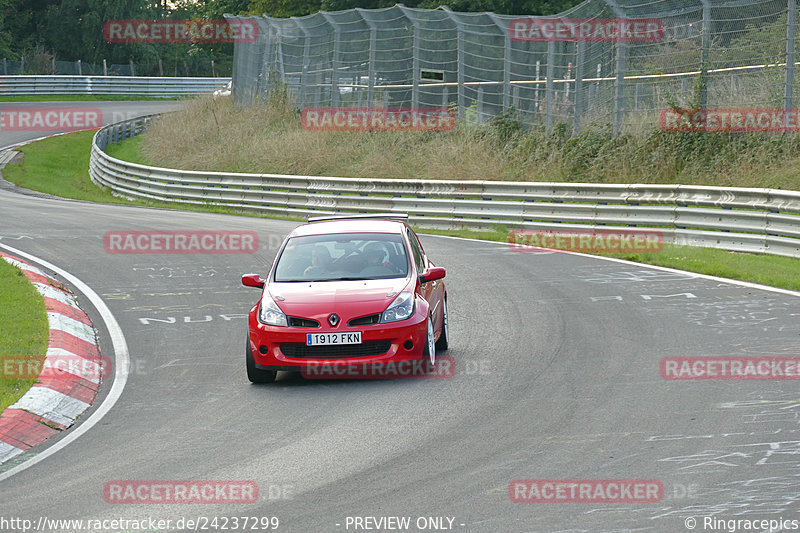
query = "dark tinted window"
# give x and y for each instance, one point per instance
(416, 251)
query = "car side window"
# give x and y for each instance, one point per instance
(416, 250)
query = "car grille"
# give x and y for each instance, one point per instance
(298, 322)
(365, 320)
(365, 349)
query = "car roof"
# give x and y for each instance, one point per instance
(350, 226)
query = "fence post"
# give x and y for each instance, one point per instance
(337, 43)
(791, 28)
(578, 110)
(479, 113)
(619, 82)
(548, 95)
(302, 91)
(373, 40)
(460, 41)
(53, 64)
(536, 105)
(133, 71)
(80, 70)
(705, 54)
(503, 27)
(415, 74)
(105, 67)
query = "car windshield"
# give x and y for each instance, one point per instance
(343, 256)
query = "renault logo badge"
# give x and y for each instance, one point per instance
(333, 320)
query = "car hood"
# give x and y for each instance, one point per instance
(349, 299)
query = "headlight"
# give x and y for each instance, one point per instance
(401, 308)
(270, 313)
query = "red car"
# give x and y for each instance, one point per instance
(347, 290)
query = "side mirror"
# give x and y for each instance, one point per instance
(432, 274)
(253, 280)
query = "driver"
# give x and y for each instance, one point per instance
(320, 262)
(375, 254)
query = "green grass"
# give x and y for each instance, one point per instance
(23, 327)
(776, 271)
(128, 150)
(50, 166)
(82, 98)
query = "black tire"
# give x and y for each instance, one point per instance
(444, 336)
(257, 375)
(429, 352)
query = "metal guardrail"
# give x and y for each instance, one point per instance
(739, 219)
(119, 85)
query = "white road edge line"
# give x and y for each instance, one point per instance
(747, 284)
(121, 355)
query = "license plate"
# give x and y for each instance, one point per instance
(320, 339)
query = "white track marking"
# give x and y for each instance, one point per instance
(121, 364)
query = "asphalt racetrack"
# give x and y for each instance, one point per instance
(557, 378)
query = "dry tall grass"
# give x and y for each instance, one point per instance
(213, 134)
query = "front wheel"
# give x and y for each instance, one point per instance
(444, 336)
(430, 346)
(254, 374)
